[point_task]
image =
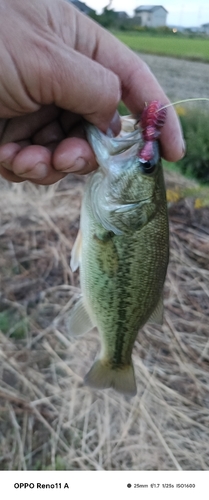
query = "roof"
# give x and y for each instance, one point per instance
(81, 6)
(149, 8)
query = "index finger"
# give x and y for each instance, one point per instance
(138, 85)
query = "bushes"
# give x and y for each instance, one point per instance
(195, 125)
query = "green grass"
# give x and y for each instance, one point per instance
(13, 325)
(168, 45)
(122, 109)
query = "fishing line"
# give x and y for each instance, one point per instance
(183, 100)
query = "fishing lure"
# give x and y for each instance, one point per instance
(152, 120)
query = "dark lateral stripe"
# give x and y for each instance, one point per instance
(122, 326)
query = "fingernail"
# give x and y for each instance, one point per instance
(183, 149)
(6, 165)
(79, 164)
(40, 171)
(115, 124)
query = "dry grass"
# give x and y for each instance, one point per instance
(48, 420)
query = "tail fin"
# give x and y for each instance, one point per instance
(102, 376)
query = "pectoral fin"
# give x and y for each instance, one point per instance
(76, 252)
(157, 315)
(79, 321)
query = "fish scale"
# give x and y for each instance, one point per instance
(119, 314)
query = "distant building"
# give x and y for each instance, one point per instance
(151, 16)
(193, 29)
(81, 6)
(205, 28)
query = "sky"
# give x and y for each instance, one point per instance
(180, 13)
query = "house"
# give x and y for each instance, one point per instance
(205, 28)
(81, 6)
(194, 29)
(151, 16)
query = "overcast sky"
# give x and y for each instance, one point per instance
(182, 13)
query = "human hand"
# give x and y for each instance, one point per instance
(58, 67)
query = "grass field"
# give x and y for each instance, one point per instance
(187, 48)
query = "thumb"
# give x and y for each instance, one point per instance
(78, 84)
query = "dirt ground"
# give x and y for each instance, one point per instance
(48, 419)
(180, 79)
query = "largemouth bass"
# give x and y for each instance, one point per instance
(122, 251)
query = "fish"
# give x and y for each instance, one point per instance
(122, 249)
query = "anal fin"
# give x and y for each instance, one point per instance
(76, 252)
(157, 315)
(79, 321)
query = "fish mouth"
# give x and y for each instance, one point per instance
(106, 147)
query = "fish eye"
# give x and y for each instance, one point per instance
(148, 167)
